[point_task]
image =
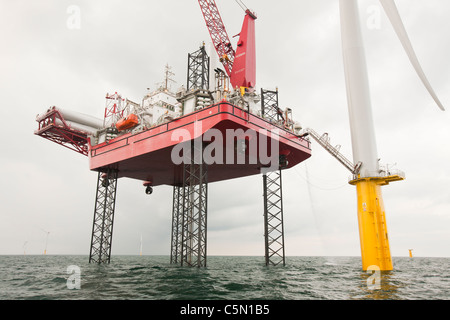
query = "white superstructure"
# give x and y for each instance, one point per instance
(158, 107)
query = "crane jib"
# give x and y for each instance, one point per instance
(240, 65)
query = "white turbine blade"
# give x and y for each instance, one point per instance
(392, 12)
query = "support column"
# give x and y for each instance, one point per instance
(373, 234)
(273, 197)
(273, 219)
(102, 228)
(372, 226)
(198, 70)
(194, 222)
(269, 106)
(177, 225)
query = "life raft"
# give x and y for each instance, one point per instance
(128, 122)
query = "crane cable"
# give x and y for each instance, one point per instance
(307, 179)
(242, 5)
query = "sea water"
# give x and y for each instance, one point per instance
(68, 277)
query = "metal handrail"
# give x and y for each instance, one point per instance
(379, 174)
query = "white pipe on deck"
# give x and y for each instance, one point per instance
(77, 126)
(81, 118)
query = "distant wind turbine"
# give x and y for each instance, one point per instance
(24, 247)
(46, 241)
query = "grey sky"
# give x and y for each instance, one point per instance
(123, 46)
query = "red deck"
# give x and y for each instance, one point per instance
(146, 155)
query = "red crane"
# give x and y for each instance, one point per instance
(239, 64)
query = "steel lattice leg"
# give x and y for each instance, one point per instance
(177, 226)
(194, 222)
(198, 70)
(273, 218)
(102, 228)
(269, 106)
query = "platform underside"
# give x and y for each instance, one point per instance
(221, 131)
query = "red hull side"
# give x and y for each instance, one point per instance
(147, 155)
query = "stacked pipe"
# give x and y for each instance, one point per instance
(75, 120)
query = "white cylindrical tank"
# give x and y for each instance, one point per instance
(79, 127)
(81, 118)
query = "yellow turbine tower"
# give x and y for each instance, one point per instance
(369, 178)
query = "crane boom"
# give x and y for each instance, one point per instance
(240, 65)
(218, 33)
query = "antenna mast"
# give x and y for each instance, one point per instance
(167, 76)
